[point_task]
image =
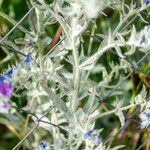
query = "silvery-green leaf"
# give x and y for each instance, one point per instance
(69, 59)
(89, 105)
(60, 2)
(142, 18)
(59, 53)
(91, 60)
(144, 92)
(83, 95)
(97, 68)
(120, 38)
(120, 114)
(87, 67)
(131, 51)
(42, 124)
(67, 75)
(89, 63)
(132, 37)
(12, 118)
(118, 50)
(12, 45)
(58, 102)
(118, 147)
(21, 41)
(37, 5)
(140, 99)
(79, 114)
(60, 79)
(7, 58)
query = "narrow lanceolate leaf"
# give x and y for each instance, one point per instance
(58, 102)
(89, 63)
(118, 50)
(119, 147)
(89, 105)
(89, 66)
(121, 117)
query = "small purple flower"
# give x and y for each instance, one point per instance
(145, 119)
(148, 116)
(96, 139)
(4, 107)
(88, 133)
(147, 2)
(9, 73)
(28, 58)
(6, 89)
(43, 145)
(94, 136)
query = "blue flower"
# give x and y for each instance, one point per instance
(2, 79)
(145, 119)
(94, 136)
(96, 139)
(28, 58)
(9, 73)
(147, 2)
(148, 116)
(88, 133)
(43, 145)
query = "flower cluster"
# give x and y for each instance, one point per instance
(6, 86)
(145, 119)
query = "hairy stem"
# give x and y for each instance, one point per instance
(75, 101)
(91, 38)
(40, 30)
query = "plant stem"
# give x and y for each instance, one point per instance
(91, 38)
(40, 30)
(75, 101)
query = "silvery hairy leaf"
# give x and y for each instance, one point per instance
(89, 63)
(58, 102)
(89, 105)
(118, 147)
(120, 114)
